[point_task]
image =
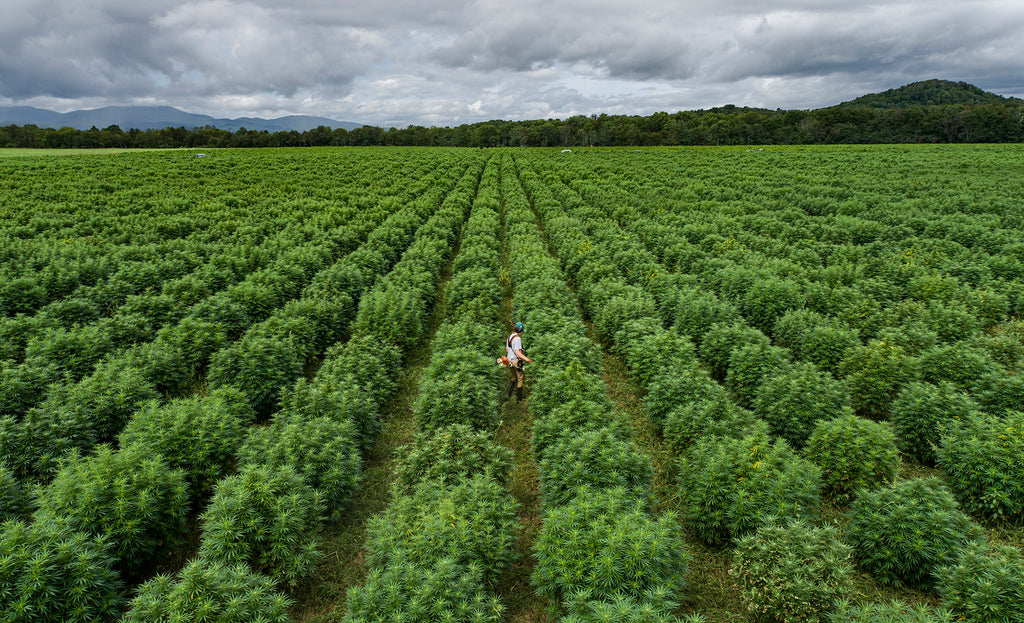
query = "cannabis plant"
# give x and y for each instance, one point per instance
(321, 450)
(792, 571)
(130, 497)
(206, 590)
(887, 612)
(919, 413)
(599, 458)
(52, 572)
(905, 532)
(985, 584)
(198, 435)
(470, 522)
(451, 454)
(617, 548)
(793, 401)
(983, 457)
(730, 486)
(853, 454)
(266, 517)
(420, 592)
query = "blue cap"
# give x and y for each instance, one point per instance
(520, 327)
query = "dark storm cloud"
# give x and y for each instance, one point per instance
(614, 41)
(451, 61)
(893, 37)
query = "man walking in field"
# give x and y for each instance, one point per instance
(516, 358)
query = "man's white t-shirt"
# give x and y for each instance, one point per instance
(511, 346)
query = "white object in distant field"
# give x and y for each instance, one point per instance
(566, 151)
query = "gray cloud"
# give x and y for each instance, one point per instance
(396, 62)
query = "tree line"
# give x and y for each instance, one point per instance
(728, 125)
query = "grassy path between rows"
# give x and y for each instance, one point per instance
(710, 590)
(522, 604)
(322, 598)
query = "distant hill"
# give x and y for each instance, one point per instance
(157, 117)
(929, 93)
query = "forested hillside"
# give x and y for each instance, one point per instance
(933, 111)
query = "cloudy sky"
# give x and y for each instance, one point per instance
(447, 62)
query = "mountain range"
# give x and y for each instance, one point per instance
(926, 93)
(156, 117)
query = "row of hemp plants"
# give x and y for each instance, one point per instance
(78, 415)
(448, 530)
(308, 459)
(449, 527)
(265, 516)
(601, 553)
(65, 339)
(853, 453)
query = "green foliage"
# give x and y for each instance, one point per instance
(814, 338)
(751, 365)
(267, 518)
(344, 401)
(714, 415)
(471, 522)
(960, 363)
(983, 457)
(632, 332)
(1000, 391)
(13, 500)
(730, 486)
(328, 318)
(372, 363)
(571, 418)
(558, 386)
(722, 339)
(322, 450)
(192, 341)
(618, 548)
(203, 589)
(657, 350)
(564, 346)
(985, 584)
(905, 532)
(655, 607)
(768, 299)
(130, 497)
(618, 310)
(468, 286)
(792, 572)
(259, 365)
(887, 612)
(392, 315)
(75, 351)
(51, 572)
(697, 310)
(875, 374)
(450, 454)
(468, 333)
(600, 459)
(443, 590)
(950, 321)
(80, 415)
(793, 401)
(853, 454)
(675, 386)
(23, 386)
(919, 413)
(198, 435)
(458, 388)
